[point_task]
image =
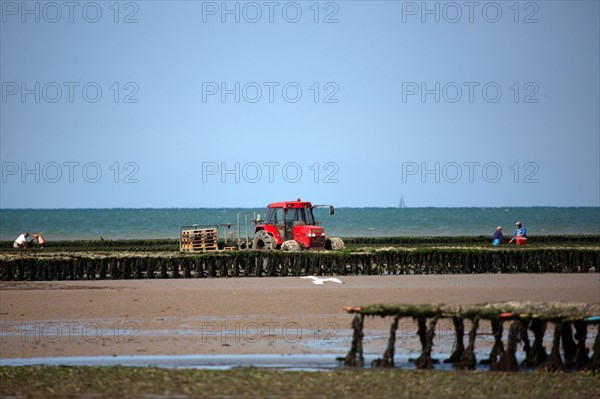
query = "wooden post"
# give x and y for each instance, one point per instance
(355, 358)
(554, 362)
(388, 355)
(498, 348)
(568, 344)
(508, 359)
(468, 360)
(424, 361)
(594, 362)
(459, 347)
(581, 356)
(538, 352)
(525, 339)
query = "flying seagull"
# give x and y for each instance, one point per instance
(320, 281)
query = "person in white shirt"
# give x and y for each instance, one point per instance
(20, 241)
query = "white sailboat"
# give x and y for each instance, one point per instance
(402, 204)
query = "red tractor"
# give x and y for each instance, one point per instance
(291, 226)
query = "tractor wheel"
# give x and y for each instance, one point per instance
(263, 241)
(291, 245)
(334, 243)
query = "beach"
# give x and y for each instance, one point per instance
(280, 315)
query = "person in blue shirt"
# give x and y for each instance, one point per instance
(520, 233)
(497, 237)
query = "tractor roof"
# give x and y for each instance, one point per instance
(291, 204)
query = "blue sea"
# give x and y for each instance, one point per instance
(70, 224)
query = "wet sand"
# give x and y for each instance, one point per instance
(281, 315)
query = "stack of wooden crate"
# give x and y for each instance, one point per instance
(199, 239)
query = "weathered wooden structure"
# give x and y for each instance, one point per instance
(570, 322)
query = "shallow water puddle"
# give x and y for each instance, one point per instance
(306, 362)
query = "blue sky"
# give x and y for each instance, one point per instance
(176, 104)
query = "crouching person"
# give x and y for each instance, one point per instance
(497, 237)
(520, 235)
(21, 242)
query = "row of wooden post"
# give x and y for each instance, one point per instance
(277, 263)
(569, 334)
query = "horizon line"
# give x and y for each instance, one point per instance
(339, 207)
